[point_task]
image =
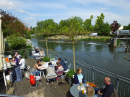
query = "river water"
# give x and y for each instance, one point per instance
(98, 54)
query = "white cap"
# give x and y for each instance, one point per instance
(9, 56)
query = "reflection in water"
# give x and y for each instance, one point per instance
(101, 56)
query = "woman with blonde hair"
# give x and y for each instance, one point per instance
(41, 53)
(90, 91)
(78, 77)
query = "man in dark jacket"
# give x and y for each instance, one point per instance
(107, 89)
(65, 66)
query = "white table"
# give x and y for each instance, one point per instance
(46, 64)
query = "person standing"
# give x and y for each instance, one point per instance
(21, 62)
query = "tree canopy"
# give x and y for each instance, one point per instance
(11, 24)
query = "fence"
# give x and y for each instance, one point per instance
(25, 53)
(97, 75)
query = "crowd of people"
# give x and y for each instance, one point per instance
(16, 60)
(51, 69)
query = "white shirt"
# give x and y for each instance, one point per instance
(17, 56)
(22, 63)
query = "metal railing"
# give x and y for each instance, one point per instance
(91, 73)
(25, 53)
(97, 75)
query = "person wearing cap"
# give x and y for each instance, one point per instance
(21, 62)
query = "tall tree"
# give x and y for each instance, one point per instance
(101, 27)
(11, 24)
(115, 26)
(74, 29)
(87, 24)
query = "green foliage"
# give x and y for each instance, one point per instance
(16, 41)
(24, 53)
(46, 59)
(70, 73)
(87, 24)
(127, 27)
(101, 27)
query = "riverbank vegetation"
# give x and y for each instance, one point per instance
(80, 26)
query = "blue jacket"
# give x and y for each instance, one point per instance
(107, 90)
(36, 51)
(65, 66)
(76, 79)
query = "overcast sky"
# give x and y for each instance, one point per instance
(31, 11)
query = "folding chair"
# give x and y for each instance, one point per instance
(51, 76)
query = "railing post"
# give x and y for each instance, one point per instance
(77, 65)
(50, 55)
(117, 83)
(93, 74)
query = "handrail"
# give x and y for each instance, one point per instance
(4, 95)
(95, 68)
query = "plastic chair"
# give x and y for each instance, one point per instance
(69, 66)
(38, 78)
(51, 76)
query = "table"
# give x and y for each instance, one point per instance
(46, 64)
(76, 92)
(8, 66)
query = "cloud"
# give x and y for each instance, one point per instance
(22, 11)
(30, 18)
(5, 4)
(103, 8)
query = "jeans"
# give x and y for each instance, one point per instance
(37, 72)
(96, 92)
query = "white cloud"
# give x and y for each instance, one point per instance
(103, 8)
(30, 18)
(9, 4)
(22, 11)
(5, 4)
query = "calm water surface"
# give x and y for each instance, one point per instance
(98, 54)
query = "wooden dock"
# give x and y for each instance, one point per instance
(23, 87)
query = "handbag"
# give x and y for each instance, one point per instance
(27, 75)
(32, 80)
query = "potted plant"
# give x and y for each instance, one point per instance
(70, 75)
(46, 59)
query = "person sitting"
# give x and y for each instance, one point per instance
(107, 89)
(21, 62)
(41, 53)
(90, 92)
(36, 50)
(17, 55)
(7, 60)
(36, 68)
(15, 60)
(59, 66)
(50, 71)
(65, 66)
(78, 77)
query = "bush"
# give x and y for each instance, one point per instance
(16, 41)
(46, 59)
(24, 53)
(70, 73)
